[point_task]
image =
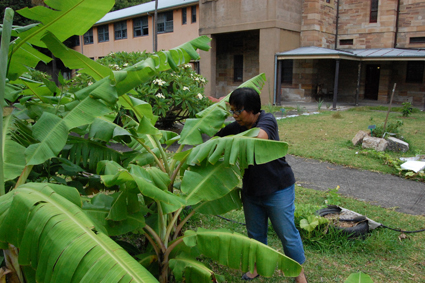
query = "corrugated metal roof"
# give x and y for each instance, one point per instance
(313, 52)
(143, 9)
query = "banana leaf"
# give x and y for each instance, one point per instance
(56, 239)
(359, 277)
(98, 209)
(13, 159)
(240, 252)
(229, 202)
(193, 270)
(208, 182)
(243, 148)
(75, 60)
(210, 120)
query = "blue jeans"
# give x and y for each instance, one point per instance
(279, 207)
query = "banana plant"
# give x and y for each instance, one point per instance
(64, 233)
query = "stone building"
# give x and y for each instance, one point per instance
(349, 51)
(341, 51)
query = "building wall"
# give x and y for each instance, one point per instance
(411, 23)
(274, 24)
(181, 34)
(318, 23)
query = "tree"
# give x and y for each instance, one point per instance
(65, 233)
(121, 4)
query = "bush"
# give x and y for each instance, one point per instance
(175, 95)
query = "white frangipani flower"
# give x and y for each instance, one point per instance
(185, 88)
(200, 96)
(160, 95)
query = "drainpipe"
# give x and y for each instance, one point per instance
(336, 24)
(396, 23)
(336, 83)
(155, 41)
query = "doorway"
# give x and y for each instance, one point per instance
(372, 82)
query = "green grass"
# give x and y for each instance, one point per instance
(328, 138)
(382, 255)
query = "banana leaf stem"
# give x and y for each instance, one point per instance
(171, 224)
(5, 41)
(156, 237)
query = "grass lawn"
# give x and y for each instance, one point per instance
(327, 138)
(385, 255)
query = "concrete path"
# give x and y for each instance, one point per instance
(380, 189)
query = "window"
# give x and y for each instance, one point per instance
(120, 29)
(373, 11)
(88, 37)
(415, 71)
(193, 14)
(287, 70)
(165, 22)
(74, 40)
(140, 26)
(328, 1)
(103, 33)
(184, 16)
(346, 42)
(238, 68)
(417, 39)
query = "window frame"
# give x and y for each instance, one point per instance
(374, 7)
(287, 72)
(415, 74)
(184, 15)
(103, 33)
(417, 39)
(167, 20)
(193, 14)
(88, 37)
(120, 28)
(141, 24)
(238, 68)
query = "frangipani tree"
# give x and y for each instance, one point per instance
(63, 234)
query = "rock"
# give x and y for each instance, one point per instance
(377, 144)
(359, 137)
(397, 145)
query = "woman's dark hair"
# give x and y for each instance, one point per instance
(246, 98)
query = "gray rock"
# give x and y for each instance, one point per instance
(359, 137)
(397, 145)
(377, 144)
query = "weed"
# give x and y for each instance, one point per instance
(337, 115)
(406, 109)
(332, 197)
(319, 104)
(300, 110)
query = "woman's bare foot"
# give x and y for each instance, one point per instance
(301, 278)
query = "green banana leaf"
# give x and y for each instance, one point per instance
(359, 277)
(238, 251)
(229, 202)
(75, 60)
(13, 159)
(193, 270)
(55, 238)
(210, 120)
(62, 18)
(105, 130)
(98, 209)
(208, 182)
(169, 201)
(25, 56)
(89, 153)
(243, 148)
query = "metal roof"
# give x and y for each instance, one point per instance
(143, 9)
(381, 54)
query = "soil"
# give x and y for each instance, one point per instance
(334, 218)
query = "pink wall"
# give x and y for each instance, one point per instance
(181, 34)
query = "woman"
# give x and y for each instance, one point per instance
(268, 190)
